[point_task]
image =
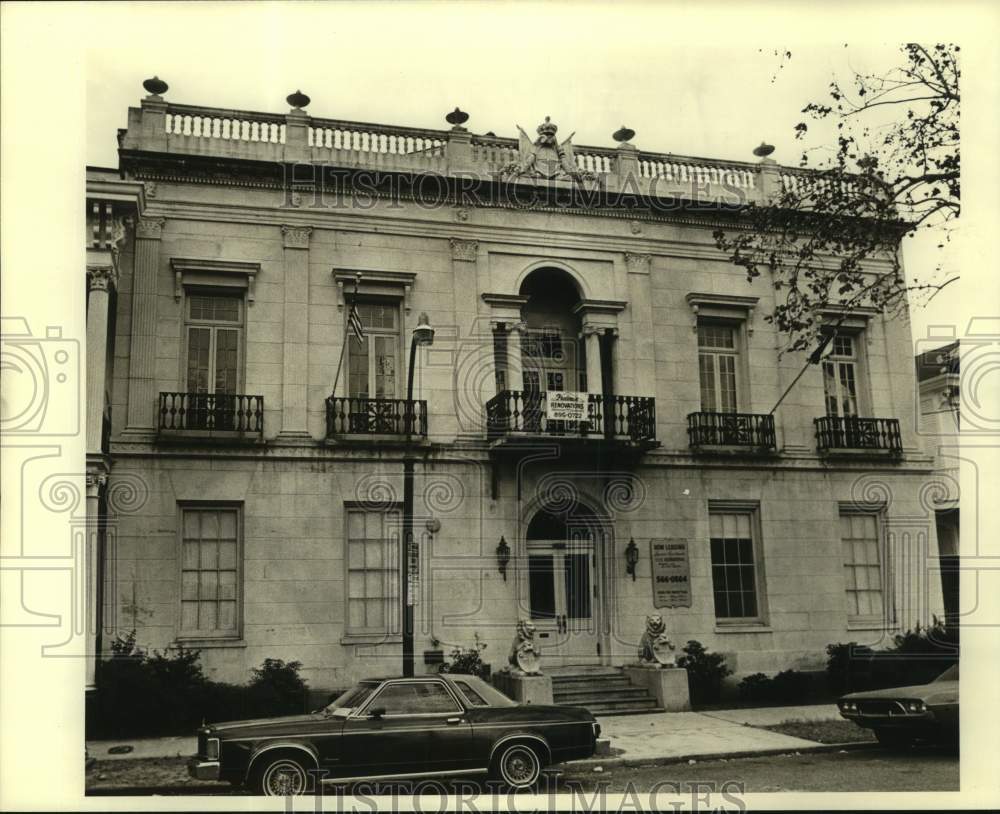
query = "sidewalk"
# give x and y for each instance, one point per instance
(631, 738)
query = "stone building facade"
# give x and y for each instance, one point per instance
(265, 507)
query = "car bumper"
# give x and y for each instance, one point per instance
(203, 769)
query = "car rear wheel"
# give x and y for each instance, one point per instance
(281, 776)
(518, 766)
(893, 738)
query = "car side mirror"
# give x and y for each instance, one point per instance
(377, 713)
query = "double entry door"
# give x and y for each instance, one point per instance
(564, 600)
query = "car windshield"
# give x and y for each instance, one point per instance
(478, 693)
(951, 674)
(352, 699)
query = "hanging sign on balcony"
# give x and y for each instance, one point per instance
(561, 405)
(668, 557)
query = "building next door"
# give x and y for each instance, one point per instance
(563, 591)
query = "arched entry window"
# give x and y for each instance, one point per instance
(563, 583)
(552, 353)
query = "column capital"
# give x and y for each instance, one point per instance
(101, 277)
(465, 250)
(296, 237)
(149, 228)
(638, 263)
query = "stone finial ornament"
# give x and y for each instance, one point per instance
(623, 134)
(457, 118)
(155, 86)
(524, 659)
(298, 100)
(655, 649)
(763, 150)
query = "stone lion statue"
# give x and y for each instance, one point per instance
(524, 657)
(654, 646)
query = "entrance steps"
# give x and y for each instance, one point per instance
(602, 690)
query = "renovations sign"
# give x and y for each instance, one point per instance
(565, 406)
(671, 572)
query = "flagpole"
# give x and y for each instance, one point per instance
(347, 320)
(814, 359)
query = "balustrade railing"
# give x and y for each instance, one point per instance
(854, 433)
(525, 412)
(225, 125)
(682, 171)
(227, 413)
(365, 416)
(751, 430)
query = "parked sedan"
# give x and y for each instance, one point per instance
(394, 728)
(901, 715)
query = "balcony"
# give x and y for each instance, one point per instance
(623, 418)
(851, 435)
(734, 432)
(375, 417)
(227, 416)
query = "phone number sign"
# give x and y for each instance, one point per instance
(671, 573)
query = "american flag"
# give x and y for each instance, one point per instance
(355, 324)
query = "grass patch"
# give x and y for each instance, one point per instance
(824, 731)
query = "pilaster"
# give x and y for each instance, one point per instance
(100, 278)
(142, 361)
(295, 359)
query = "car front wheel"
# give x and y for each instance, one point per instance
(893, 738)
(518, 766)
(280, 777)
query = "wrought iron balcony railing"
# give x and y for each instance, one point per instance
(364, 416)
(751, 430)
(835, 433)
(214, 413)
(525, 412)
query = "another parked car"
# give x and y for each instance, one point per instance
(391, 728)
(901, 715)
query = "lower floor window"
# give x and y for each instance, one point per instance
(734, 565)
(210, 572)
(859, 535)
(373, 547)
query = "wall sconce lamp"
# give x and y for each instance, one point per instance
(503, 557)
(631, 557)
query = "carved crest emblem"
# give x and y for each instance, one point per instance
(545, 157)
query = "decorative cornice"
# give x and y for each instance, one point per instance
(504, 300)
(214, 272)
(385, 283)
(638, 263)
(101, 278)
(465, 250)
(585, 307)
(149, 228)
(741, 307)
(296, 237)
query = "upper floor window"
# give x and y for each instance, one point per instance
(214, 341)
(373, 364)
(841, 376)
(210, 571)
(718, 357)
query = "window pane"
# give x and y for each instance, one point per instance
(227, 616)
(541, 586)
(577, 585)
(226, 360)
(357, 368)
(199, 344)
(706, 375)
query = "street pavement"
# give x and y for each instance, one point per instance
(656, 736)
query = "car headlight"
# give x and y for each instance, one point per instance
(915, 706)
(848, 706)
(212, 749)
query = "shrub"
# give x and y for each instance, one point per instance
(705, 672)
(468, 661)
(788, 686)
(168, 693)
(935, 639)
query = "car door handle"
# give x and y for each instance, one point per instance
(452, 721)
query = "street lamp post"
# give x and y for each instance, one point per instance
(423, 334)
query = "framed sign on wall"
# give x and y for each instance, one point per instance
(668, 557)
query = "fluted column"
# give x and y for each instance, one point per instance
(515, 362)
(99, 279)
(142, 351)
(295, 359)
(96, 480)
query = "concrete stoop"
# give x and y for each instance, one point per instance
(604, 691)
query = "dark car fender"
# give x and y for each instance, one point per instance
(306, 750)
(511, 737)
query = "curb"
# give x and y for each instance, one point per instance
(616, 762)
